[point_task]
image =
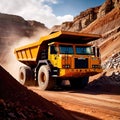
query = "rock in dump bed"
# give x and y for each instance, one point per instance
(19, 103)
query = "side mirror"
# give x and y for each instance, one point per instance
(96, 51)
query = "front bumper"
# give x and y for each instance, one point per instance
(78, 72)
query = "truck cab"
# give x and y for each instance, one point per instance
(74, 60)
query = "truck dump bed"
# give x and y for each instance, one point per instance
(28, 54)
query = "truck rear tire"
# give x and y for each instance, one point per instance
(25, 76)
(79, 83)
(45, 81)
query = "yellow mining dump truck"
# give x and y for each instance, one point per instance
(59, 56)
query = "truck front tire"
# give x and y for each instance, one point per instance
(45, 81)
(25, 75)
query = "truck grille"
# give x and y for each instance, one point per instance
(81, 63)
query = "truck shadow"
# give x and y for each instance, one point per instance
(104, 84)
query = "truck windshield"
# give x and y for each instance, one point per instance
(66, 49)
(87, 50)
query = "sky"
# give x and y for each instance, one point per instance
(49, 12)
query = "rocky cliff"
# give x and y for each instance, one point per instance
(88, 16)
(109, 27)
(16, 25)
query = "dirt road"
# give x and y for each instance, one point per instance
(85, 105)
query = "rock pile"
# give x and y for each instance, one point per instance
(106, 83)
(109, 80)
(19, 103)
(113, 62)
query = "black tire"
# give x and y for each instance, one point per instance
(25, 76)
(45, 81)
(79, 83)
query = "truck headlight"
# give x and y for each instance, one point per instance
(96, 66)
(94, 58)
(66, 66)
